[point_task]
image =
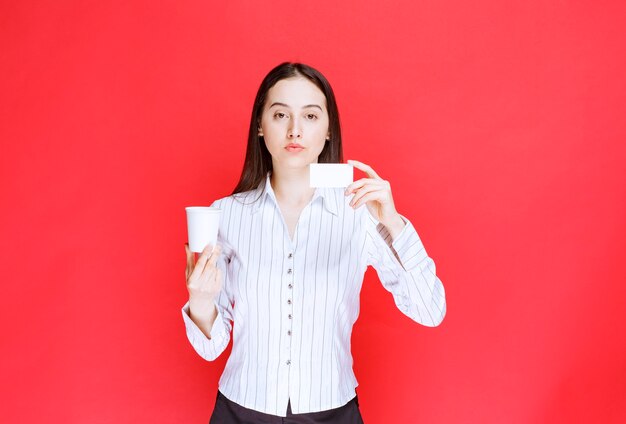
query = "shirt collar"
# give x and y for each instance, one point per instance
(328, 196)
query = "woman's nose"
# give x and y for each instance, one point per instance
(294, 131)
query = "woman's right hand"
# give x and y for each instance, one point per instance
(204, 281)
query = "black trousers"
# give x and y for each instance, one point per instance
(228, 412)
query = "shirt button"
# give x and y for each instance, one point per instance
(288, 301)
(289, 316)
(288, 362)
(289, 332)
(290, 255)
(289, 271)
(290, 286)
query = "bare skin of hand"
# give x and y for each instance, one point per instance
(375, 192)
(204, 282)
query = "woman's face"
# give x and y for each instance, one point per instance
(294, 123)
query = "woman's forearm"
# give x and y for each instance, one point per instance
(203, 313)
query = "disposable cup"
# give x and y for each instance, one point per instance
(203, 223)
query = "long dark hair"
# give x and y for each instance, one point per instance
(258, 160)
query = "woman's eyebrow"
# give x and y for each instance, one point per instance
(287, 106)
(278, 104)
(308, 106)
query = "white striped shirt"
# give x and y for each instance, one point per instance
(294, 302)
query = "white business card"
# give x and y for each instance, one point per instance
(331, 174)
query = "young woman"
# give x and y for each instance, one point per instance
(289, 264)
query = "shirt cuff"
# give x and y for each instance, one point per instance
(217, 330)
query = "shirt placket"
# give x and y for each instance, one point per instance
(287, 324)
(289, 306)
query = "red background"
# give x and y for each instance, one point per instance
(500, 125)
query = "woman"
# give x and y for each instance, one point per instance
(289, 264)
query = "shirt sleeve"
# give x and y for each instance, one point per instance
(210, 349)
(406, 270)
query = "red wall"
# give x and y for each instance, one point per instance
(500, 124)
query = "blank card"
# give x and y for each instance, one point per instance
(331, 174)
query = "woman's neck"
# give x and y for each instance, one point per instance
(291, 186)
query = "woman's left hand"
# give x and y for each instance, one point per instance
(376, 194)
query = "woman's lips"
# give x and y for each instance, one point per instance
(294, 147)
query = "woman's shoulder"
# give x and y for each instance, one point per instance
(239, 199)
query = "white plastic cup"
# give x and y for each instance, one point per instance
(203, 223)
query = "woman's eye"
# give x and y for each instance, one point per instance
(311, 116)
(279, 115)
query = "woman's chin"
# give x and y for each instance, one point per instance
(295, 163)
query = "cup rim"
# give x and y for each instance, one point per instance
(208, 209)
